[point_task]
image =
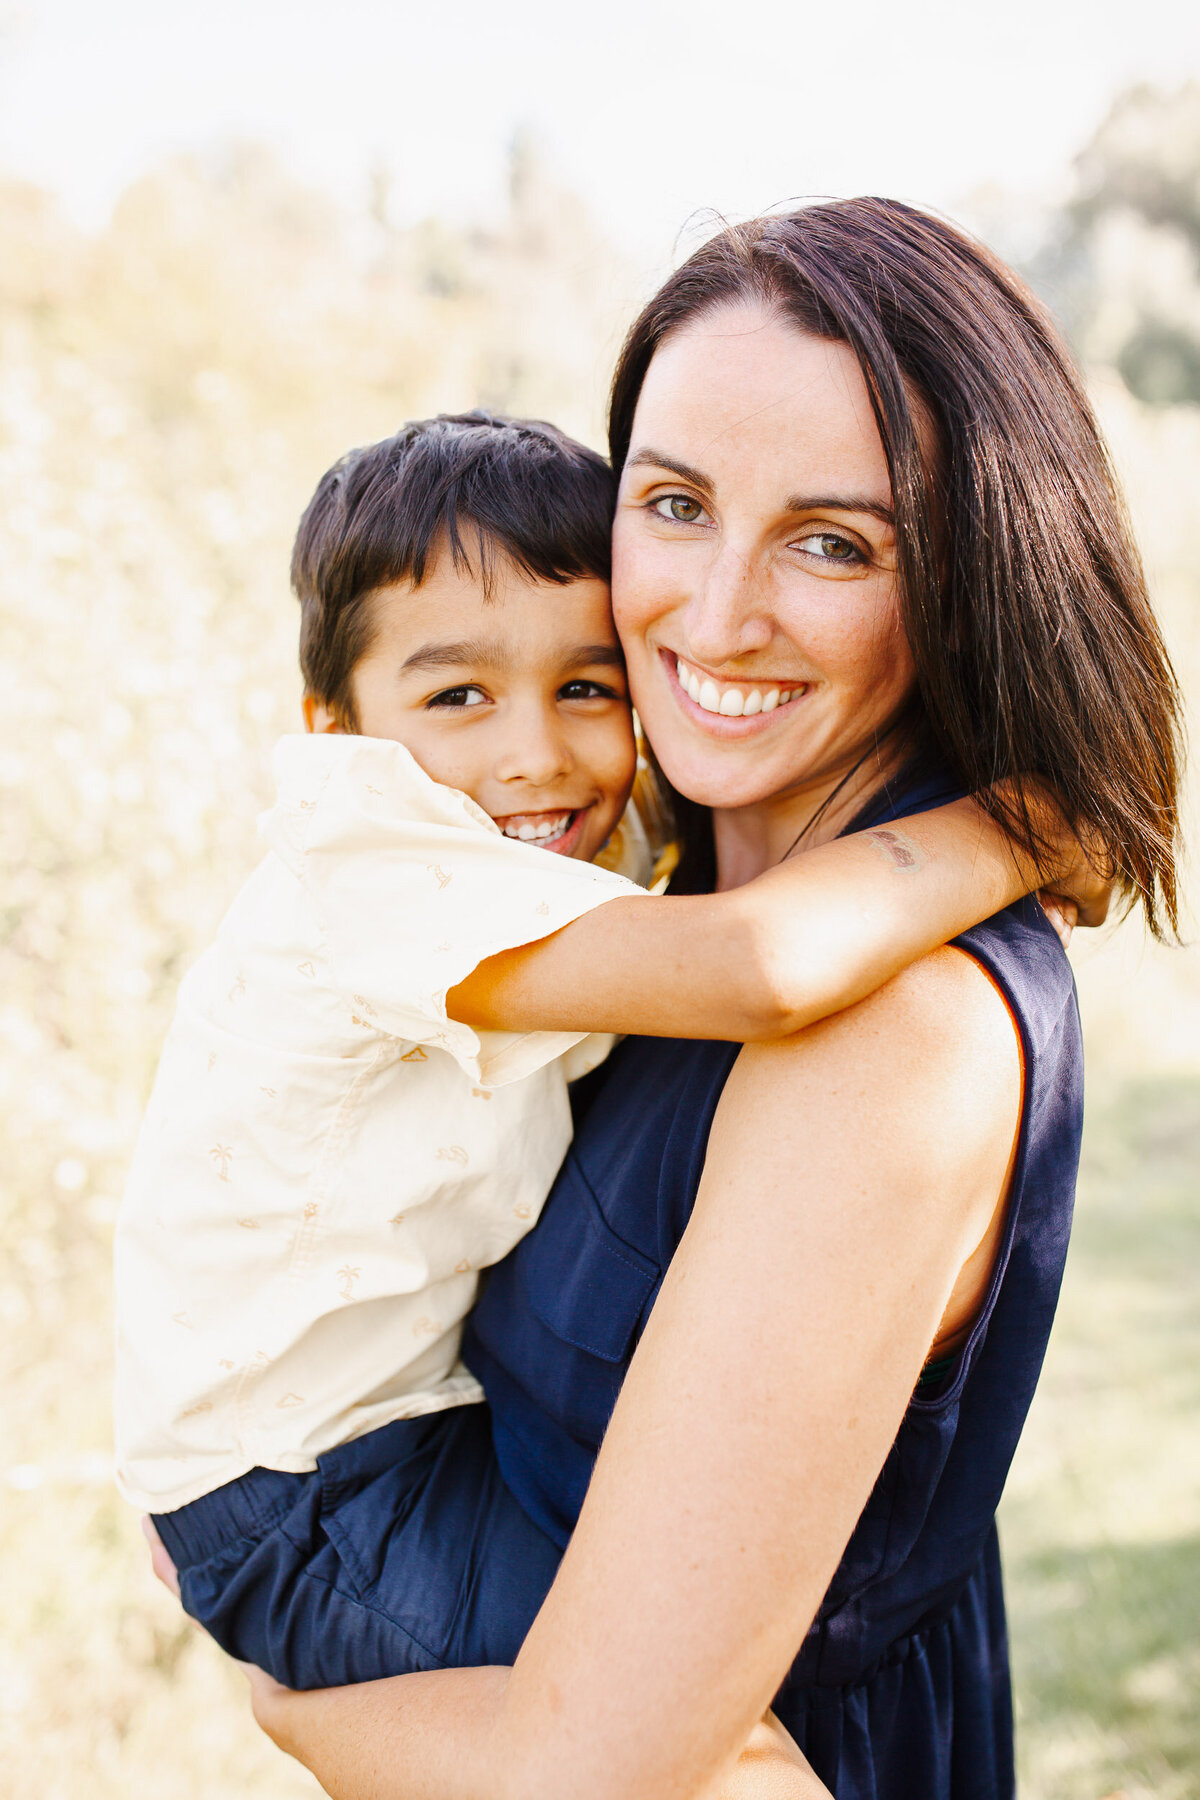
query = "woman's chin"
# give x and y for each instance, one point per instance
(716, 782)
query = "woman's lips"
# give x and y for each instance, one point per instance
(729, 708)
(558, 830)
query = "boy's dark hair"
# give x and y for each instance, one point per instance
(1036, 649)
(475, 483)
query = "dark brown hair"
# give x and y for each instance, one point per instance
(516, 488)
(1036, 649)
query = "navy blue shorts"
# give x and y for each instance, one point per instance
(403, 1551)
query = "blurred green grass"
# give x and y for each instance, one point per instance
(1101, 1521)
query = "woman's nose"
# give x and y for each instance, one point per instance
(724, 617)
(535, 749)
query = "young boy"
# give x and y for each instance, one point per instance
(330, 1156)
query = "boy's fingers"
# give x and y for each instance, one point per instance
(1093, 907)
(1062, 913)
(160, 1561)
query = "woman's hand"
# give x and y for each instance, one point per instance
(160, 1561)
(341, 1733)
(272, 1705)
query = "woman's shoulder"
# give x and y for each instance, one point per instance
(938, 1041)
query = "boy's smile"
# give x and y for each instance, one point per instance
(518, 698)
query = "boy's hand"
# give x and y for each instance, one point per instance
(1081, 895)
(1062, 913)
(1084, 886)
(1079, 879)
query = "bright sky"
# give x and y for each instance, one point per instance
(649, 110)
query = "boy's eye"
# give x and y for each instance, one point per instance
(585, 690)
(458, 697)
(680, 509)
(829, 547)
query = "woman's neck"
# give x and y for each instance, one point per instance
(749, 839)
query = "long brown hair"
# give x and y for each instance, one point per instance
(1025, 605)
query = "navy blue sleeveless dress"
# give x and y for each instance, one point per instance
(900, 1691)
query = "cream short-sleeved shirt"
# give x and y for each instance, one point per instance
(327, 1159)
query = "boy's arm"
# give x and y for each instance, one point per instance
(804, 940)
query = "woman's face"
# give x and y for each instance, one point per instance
(754, 562)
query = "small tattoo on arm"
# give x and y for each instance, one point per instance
(900, 851)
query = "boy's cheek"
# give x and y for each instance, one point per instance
(441, 753)
(622, 763)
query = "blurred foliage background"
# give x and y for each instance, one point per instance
(171, 386)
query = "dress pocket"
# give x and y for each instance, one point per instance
(586, 1284)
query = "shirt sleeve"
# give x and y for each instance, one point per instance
(414, 886)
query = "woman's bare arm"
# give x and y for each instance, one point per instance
(805, 939)
(761, 1403)
(413, 1735)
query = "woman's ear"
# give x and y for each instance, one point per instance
(317, 716)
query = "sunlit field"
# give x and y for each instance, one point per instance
(1101, 1522)
(169, 392)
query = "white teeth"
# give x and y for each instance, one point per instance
(732, 702)
(529, 833)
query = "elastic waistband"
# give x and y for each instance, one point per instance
(257, 1501)
(245, 1508)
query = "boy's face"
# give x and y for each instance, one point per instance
(520, 700)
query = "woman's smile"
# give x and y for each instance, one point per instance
(727, 706)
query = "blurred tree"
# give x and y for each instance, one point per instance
(1120, 262)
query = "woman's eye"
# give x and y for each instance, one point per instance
(830, 546)
(681, 509)
(458, 697)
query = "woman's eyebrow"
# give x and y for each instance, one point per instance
(798, 503)
(656, 459)
(860, 503)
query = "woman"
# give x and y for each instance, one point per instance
(856, 465)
